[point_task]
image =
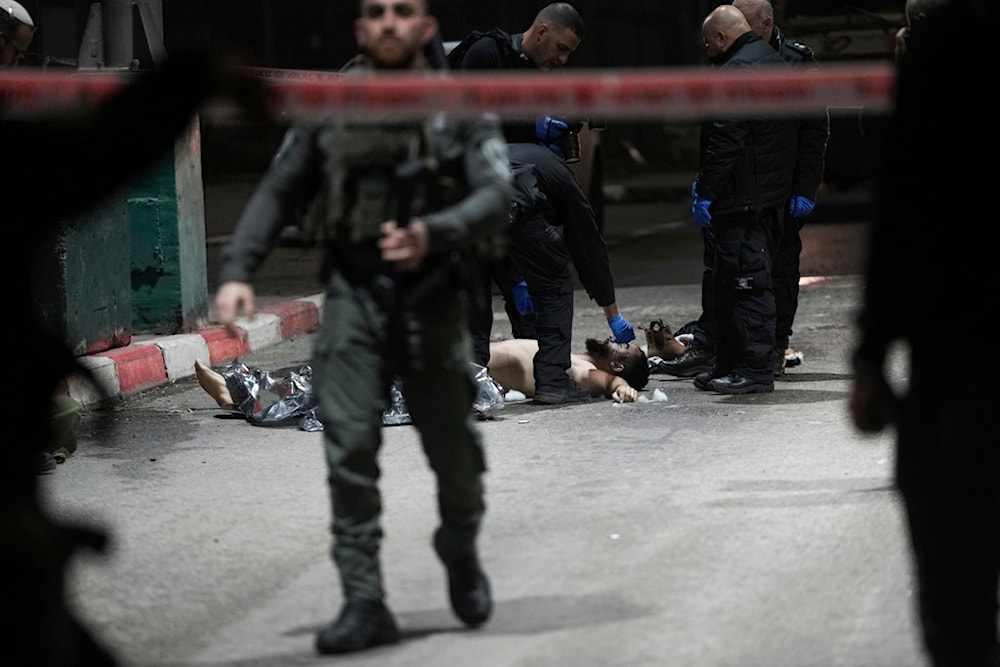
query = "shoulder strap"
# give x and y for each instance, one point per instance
(504, 42)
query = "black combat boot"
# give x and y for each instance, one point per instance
(469, 591)
(468, 587)
(693, 361)
(361, 624)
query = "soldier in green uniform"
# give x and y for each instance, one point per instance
(394, 308)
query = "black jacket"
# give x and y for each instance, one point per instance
(926, 251)
(814, 131)
(564, 204)
(747, 164)
(497, 50)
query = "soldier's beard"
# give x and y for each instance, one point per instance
(398, 59)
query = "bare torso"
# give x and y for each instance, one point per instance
(511, 365)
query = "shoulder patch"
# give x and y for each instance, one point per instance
(798, 50)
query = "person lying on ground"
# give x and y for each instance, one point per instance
(614, 370)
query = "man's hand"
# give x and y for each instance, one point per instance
(522, 299)
(624, 393)
(702, 216)
(800, 207)
(404, 247)
(549, 131)
(622, 329)
(233, 297)
(872, 403)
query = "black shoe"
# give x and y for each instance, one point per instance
(734, 383)
(469, 591)
(564, 396)
(703, 381)
(695, 360)
(361, 624)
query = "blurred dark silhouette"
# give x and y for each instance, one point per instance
(947, 464)
(53, 167)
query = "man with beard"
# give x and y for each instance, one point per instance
(395, 280)
(614, 370)
(555, 33)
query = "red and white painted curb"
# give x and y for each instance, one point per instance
(150, 362)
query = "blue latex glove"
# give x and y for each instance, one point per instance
(549, 129)
(694, 188)
(522, 299)
(622, 329)
(800, 207)
(702, 217)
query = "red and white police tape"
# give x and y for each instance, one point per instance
(641, 94)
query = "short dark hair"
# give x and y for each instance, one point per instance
(635, 370)
(563, 15)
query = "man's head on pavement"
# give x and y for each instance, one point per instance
(723, 26)
(760, 16)
(625, 360)
(394, 33)
(17, 29)
(555, 33)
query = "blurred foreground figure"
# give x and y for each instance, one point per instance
(17, 29)
(53, 169)
(396, 280)
(947, 464)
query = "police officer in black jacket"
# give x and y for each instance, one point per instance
(554, 34)
(743, 185)
(814, 133)
(547, 197)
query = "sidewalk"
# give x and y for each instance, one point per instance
(151, 361)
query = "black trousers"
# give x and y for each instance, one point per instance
(742, 293)
(948, 473)
(502, 273)
(540, 255)
(704, 329)
(785, 276)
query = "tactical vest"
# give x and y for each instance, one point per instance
(511, 57)
(359, 190)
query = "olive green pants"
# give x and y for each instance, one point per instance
(352, 372)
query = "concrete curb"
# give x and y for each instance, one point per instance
(159, 360)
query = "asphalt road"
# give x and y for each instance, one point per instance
(687, 529)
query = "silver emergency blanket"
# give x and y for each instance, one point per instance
(268, 401)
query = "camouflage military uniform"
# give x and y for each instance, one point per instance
(381, 325)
